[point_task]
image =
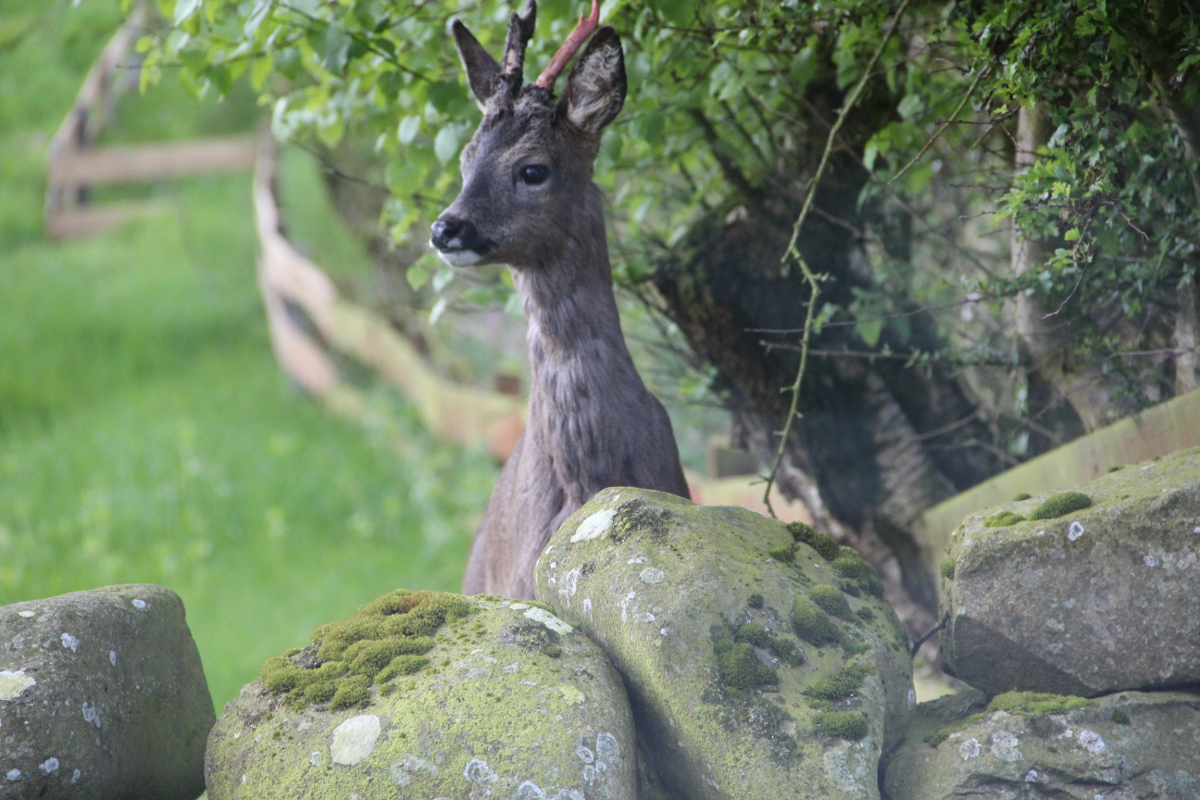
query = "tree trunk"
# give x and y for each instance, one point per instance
(1046, 333)
(878, 442)
(1186, 342)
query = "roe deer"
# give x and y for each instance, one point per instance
(528, 201)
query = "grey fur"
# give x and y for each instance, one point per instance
(592, 422)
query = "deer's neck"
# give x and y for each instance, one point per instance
(574, 330)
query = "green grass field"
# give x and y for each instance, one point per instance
(146, 434)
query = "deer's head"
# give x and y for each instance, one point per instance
(528, 169)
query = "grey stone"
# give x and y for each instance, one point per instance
(1092, 602)
(1126, 746)
(512, 704)
(102, 696)
(697, 617)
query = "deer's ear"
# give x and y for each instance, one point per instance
(481, 68)
(596, 88)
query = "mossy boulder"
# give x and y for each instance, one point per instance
(427, 694)
(757, 667)
(1022, 745)
(102, 695)
(1098, 597)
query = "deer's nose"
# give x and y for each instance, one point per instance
(455, 233)
(444, 231)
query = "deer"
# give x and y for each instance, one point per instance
(528, 201)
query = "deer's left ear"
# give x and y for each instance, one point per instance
(482, 70)
(596, 87)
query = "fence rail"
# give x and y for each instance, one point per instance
(75, 164)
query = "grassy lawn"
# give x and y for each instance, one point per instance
(146, 434)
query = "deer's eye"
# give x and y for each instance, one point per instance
(534, 174)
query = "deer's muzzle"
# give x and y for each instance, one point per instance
(458, 241)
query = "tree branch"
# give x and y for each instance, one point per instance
(793, 252)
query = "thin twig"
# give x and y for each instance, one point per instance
(941, 129)
(929, 633)
(793, 252)
(973, 298)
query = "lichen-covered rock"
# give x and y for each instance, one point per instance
(1091, 598)
(760, 660)
(431, 695)
(1126, 746)
(102, 695)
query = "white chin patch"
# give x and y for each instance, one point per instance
(460, 258)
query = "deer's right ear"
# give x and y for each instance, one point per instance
(482, 70)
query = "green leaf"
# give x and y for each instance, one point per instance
(334, 48)
(417, 276)
(409, 126)
(444, 94)
(220, 78)
(435, 313)
(649, 127)
(1071, 235)
(442, 278)
(261, 69)
(678, 12)
(185, 9)
(331, 133)
(405, 175)
(445, 145)
(911, 105)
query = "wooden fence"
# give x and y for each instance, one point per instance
(1158, 431)
(75, 164)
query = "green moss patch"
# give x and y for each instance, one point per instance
(850, 587)
(782, 647)
(1057, 505)
(849, 725)
(785, 554)
(739, 667)
(947, 569)
(1019, 496)
(1034, 703)
(831, 600)
(823, 543)
(812, 624)
(385, 640)
(840, 684)
(853, 567)
(1003, 519)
